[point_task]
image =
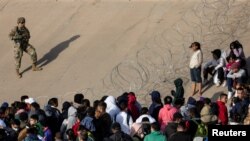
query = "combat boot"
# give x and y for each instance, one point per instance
(19, 75)
(35, 68)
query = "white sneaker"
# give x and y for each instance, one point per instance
(218, 84)
(229, 95)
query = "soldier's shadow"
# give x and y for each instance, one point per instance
(53, 53)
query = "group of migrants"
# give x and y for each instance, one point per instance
(168, 118)
(122, 118)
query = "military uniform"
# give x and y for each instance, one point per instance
(21, 37)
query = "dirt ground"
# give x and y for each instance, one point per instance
(107, 47)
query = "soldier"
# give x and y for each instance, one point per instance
(21, 35)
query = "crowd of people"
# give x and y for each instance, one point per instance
(169, 117)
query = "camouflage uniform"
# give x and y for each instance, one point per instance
(21, 43)
(21, 37)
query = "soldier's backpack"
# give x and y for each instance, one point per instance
(202, 130)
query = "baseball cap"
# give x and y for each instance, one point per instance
(235, 66)
(29, 100)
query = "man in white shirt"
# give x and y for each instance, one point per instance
(215, 66)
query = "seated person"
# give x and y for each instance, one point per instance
(236, 75)
(213, 66)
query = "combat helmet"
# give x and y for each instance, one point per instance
(21, 20)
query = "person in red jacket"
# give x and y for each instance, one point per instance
(222, 109)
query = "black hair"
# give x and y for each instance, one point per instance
(207, 101)
(35, 117)
(123, 105)
(23, 97)
(103, 105)
(145, 119)
(80, 116)
(116, 126)
(22, 105)
(104, 98)
(35, 105)
(85, 103)
(95, 103)
(65, 106)
(168, 100)
(53, 101)
(231, 56)
(15, 122)
(235, 45)
(144, 110)
(223, 95)
(91, 111)
(197, 44)
(78, 98)
(71, 135)
(23, 116)
(155, 126)
(182, 124)
(177, 115)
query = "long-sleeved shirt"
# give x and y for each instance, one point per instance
(223, 113)
(216, 63)
(238, 74)
(196, 59)
(122, 119)
(166, 115)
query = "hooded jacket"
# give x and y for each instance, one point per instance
(179, 93)
(166, 115)
(112, 109)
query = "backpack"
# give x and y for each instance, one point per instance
(201, 129)
(214, 109)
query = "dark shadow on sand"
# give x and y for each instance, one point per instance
(53, 53)
(208, 85)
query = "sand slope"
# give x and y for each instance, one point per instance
(111, 46)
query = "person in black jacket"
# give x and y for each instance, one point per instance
(156, 105)
(102, 123)
(181, 134)
(118, 135)
(171, 128)
(179, 92)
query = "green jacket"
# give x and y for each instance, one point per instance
(39, 128)
(155, 136)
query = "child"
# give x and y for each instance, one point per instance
(179, 93)
(195, 66)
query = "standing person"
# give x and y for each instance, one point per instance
(181, 133)
(195, 66)
(155, 134)
(21, 35)
(166, 113)
(102, 122)
(222, 109)
(156, 105)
